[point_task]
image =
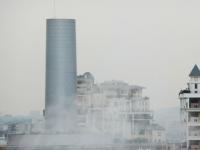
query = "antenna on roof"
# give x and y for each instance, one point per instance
(54, 8)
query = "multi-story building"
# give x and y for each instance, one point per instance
(89, 103)
(129, 111)
(190, 109)
(116, 108)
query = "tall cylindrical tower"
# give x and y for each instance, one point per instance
(60, 74)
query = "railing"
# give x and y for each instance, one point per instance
(194, 120)
(194, 105)
(191, 123)
(195, 133)
(194, 147)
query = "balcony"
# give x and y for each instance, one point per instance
(195, 105)
(193, 138)
(189, 95)
(194, 147)
(194, 133)
(194, 121)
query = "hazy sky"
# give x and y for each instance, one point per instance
(153, 43)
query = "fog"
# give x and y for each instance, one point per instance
(150, 43)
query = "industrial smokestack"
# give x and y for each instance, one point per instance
(60, 75)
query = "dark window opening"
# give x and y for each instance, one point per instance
(194, 102)
(195, 86)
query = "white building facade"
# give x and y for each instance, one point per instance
(190, 109)
(117, 109)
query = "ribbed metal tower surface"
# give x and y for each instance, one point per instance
(60, 71)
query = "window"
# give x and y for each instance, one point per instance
(195, 85)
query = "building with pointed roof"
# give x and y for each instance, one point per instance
(190, 109)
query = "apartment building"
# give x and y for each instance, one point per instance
(117, 109)
(190, 109)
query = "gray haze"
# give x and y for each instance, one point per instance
(153, 43)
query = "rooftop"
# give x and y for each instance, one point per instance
(195, 72)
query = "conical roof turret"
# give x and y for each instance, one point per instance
(195, 72)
